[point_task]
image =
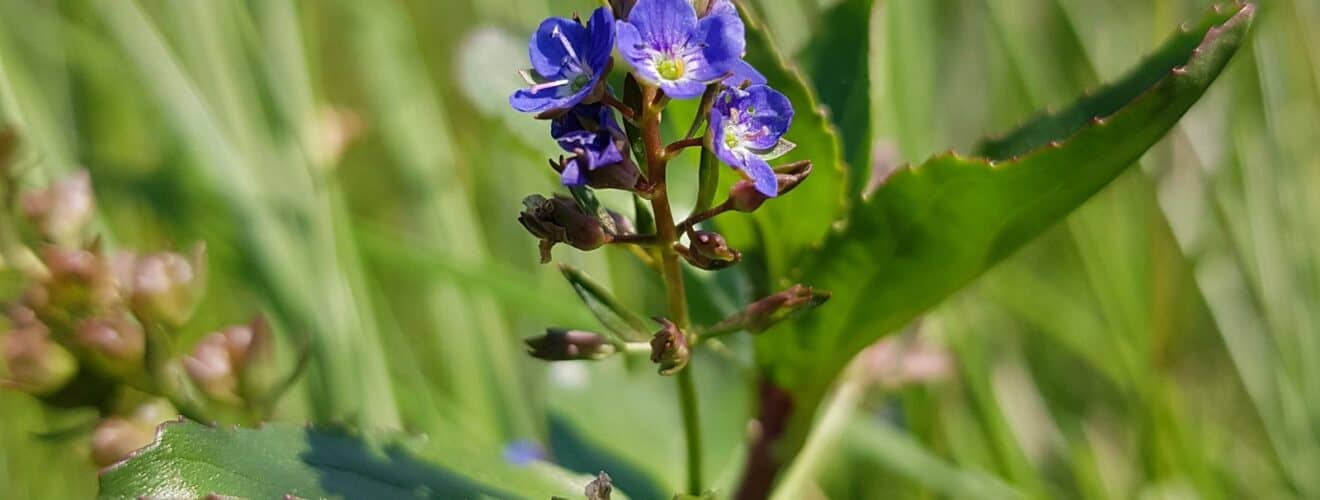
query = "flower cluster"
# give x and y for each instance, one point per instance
(94, 328)
(673, 49)
(677, 49)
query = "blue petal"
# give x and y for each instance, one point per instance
(769, 109)
(633, 47)
(763, 176)
(683, 89)
(724, 42)
(547, 51)
(744, 73)
(723, 8)
(572, 175)
(601, 33)
(664, 23)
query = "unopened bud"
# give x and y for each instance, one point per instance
(212, 368)
(561, 220)
(116, 342)
(709, 250)
(567, 345)
(35, 363)
(167, 286)
(669, 348)
(116, 437)
(76, 281)
(767, 312)
(623, 175)
(252, 353)
(600, 488)
(61, 211)
(744, 197)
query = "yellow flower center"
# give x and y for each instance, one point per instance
(670, 68)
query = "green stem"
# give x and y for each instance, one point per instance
(667, 233)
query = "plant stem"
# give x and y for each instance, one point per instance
(656, 159)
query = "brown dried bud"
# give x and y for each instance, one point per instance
(61, 212)
(744, 197)
(35, 364)
(709, 250)
(561, 220)
(567, 345)
(166, 286)
(623, 175)
(117, 343)
(600, 488)
(669, 348)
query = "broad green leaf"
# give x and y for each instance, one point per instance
(191, 460)
(784, 229)
(932, 228)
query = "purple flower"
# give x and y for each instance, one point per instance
(568, 62)
(668, 46)
(746, 130)
(590, 132)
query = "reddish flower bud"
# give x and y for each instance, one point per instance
(77, 281)
(211, 367)
(709, 250)
(566, 345)
(166, 286)
(116, 437)
(744, 197)
(60, 212)
(33, 362)
(117, 343)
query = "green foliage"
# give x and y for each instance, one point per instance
(932, 228)
(190, 460)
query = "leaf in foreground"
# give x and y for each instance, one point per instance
(191, 460)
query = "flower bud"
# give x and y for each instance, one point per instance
(669, 348)
(767, 312)
(567, 345)
(561, 220)
(116, 342)
(600, 488)
(35, 363)
(167, 286)
(116, 437)
(252, 353)
(61, 211)
(623, 175)
(709, 250)
(744, 197)
(76, 281)
(212, 368)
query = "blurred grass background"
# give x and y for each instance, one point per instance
(355, 172)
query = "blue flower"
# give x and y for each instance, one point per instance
(668, 46)
(591, 134)
(746, 130)
(568, 62)
(742, 72)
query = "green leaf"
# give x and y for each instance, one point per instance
(932, 228)
(191, 460)
(837, 61)
(782, 230)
